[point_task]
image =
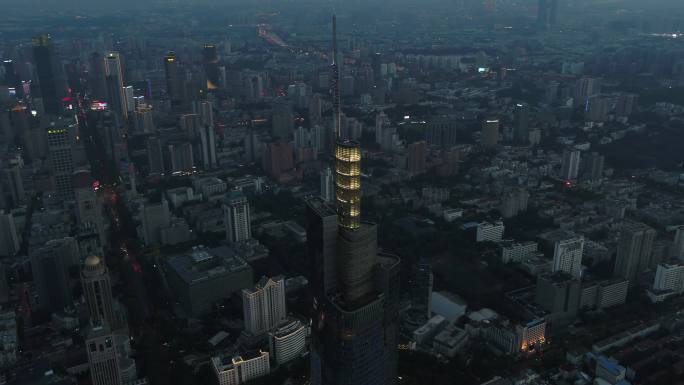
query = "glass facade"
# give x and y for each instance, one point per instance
(348, 183)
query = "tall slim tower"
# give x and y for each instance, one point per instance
(173, 86)
(102, 356)
(115, 84)
(355, 287)
(335, 81)
(210, 62)
(59, 140)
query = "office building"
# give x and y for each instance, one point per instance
(60, 146)
(154, 217)
(634, 250)
(9, 238)
(180, 158)
(282, 121)
(514, 202)
(489, 231)
(416, 158)
(207, 144)
(264, 305)
(287, 341)
(567, 257)
(103, 359)
(97, 290)
(531, 334)
(490, 133)
(143, 120)
(521, 130)
(570, 164)
(421, 288)
(50, 265)
(328, 185)
(114, 79)
(237, 217)
(204, 277)
(241, 368)
(51, 81)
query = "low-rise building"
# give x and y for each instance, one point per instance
(241, 368)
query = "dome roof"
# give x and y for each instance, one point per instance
(93, 260)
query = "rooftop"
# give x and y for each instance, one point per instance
(202, 264)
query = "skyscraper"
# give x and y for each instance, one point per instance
(416, 158)
(9, 239)
(173, 80)
(634, 250)
(115, 84)
(490, 133)
(521, 131)
(355, 287)
(264, 305)
(98, 291)
(102, 356)
(421, 288)
(210, 62)
(60, 144)
(236, 217)
(50, 73)
(567, 256)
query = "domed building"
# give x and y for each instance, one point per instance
(98, 291)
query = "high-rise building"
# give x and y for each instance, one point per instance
(567, 256)
(103, 359)
(521, 131)
(115, 84)
(155, 157)
(634, 250)
(264, 305)
(173, 78)
(236, 217)
(678, 243)
(51, 82)
(489, 231)
(50, 265)
(60, 144)
(356, 289)
(328, 185)
(421, 288)
(669, 277)
(490, 133)
(89, 212)
(282, 120)
(154, 217)
(287, 341)
(211, 69)
(570, 164)
(97, 290)
(442, 132)
(626, 104)
(9, 239)
(547, 13)
(597, 109)
(559, 294)
(416, 158)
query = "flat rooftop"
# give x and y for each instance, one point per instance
(201, 264)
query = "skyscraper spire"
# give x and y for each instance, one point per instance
(335, 81)
(334, 42)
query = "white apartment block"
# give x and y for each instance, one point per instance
(567, 256)
(490, 231)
